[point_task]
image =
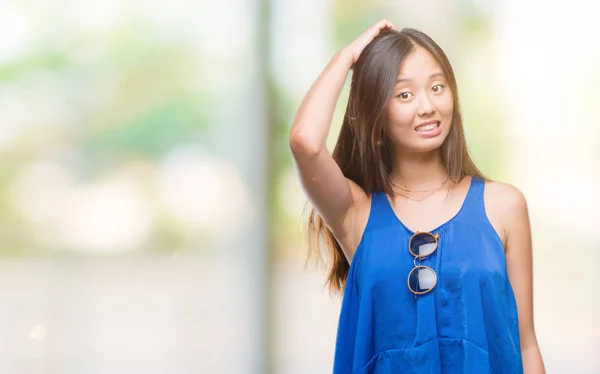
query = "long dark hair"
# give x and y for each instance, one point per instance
(363, 152)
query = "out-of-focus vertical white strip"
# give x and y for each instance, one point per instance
(227, 36)
(300, 52)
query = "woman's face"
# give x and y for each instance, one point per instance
(420, 110)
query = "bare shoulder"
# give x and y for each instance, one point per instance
(505, 205)
(504, 193)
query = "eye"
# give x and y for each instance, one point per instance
(437, 88)
(405, 95)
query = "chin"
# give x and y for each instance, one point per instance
(429, 147)
(420, 148)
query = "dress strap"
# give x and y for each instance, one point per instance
(474, 204)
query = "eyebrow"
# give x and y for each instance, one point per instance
(434, 75)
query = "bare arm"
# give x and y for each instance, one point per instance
(327, 189)
(519, 266)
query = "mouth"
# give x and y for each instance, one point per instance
(427, 127)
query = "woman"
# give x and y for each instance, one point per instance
(434, 261)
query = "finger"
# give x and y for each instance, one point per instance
(375, 29)
(378, 25)
(382, 26)
(383, 23)
(388, 24)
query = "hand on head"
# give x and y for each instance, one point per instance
(355, 48)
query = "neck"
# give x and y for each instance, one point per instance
(419, 170)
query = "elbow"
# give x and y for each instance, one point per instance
(302, 144)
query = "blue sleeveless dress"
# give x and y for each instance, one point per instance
(467, 324)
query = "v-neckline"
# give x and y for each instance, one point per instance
(469, 190)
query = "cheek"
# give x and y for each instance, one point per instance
(446, 105)
(401, 115)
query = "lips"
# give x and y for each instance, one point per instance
(427, 126)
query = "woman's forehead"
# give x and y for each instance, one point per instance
(419, 65)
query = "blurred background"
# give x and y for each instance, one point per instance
(150, 216)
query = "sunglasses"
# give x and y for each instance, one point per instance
(422, 279)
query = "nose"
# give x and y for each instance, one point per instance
(426, 107)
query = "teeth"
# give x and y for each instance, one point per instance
(427, 127)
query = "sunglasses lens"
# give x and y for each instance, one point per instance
(423, 244)
(421, 279)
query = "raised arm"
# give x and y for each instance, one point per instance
(327, 189)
